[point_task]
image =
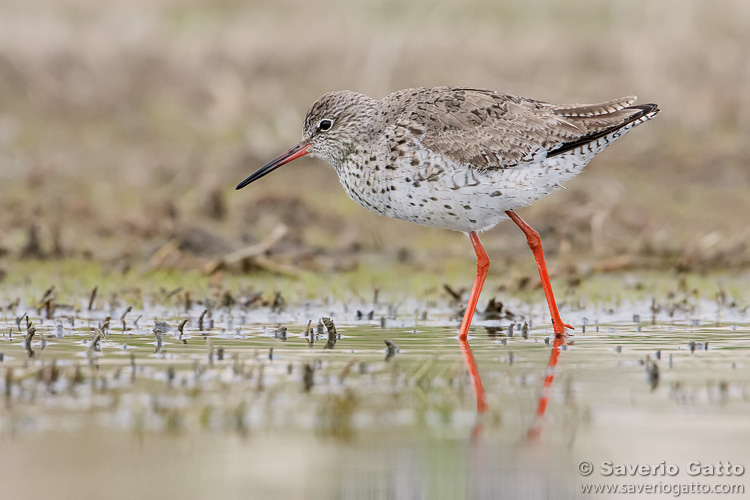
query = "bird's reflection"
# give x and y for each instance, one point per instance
(537, 422)
(535, 429)
(476, 381)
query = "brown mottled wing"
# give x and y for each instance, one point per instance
(485, 129)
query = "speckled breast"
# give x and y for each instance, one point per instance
(436, 193)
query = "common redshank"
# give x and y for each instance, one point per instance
(461, 159)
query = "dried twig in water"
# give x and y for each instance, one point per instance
(200, 319)
(158, 334)
(309, 335)
(308, 377)
(94, 345)
(281, 333)
(27, 341)
(93, 297)
(48, 302)
(122, 318)
(8, 386)
(392, 349)
(19, 319)
(652, 372)
(180, 327)
(105, 326)
(332, 335)
(210, 353)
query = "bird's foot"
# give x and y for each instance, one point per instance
(561, 333)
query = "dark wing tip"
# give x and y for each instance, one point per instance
(644, 112)
(649, 109)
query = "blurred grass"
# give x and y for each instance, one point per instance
(125, 125)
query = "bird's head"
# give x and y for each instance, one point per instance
(332, 125)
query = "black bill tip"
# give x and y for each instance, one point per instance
(292, 154)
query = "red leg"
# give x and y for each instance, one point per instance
(535, 243)
(483, 264)
(536, 426)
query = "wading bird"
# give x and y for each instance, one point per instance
(461, 159)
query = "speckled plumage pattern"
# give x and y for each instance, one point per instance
(459, 158)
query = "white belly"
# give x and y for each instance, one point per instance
(458, 199)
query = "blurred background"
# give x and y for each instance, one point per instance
(125, 125)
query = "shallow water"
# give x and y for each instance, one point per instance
(242, 408)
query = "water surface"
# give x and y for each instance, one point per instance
(242, 403)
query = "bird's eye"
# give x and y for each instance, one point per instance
(325, 124)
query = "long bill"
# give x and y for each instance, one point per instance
(293, 153)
